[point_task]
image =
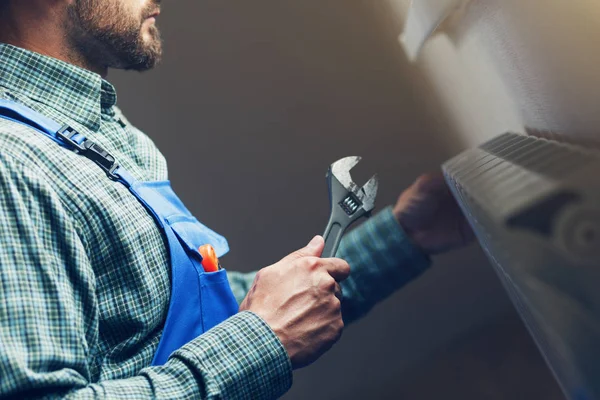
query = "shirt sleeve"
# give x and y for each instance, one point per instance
(49, 324)
(240, 283)
(382, 259)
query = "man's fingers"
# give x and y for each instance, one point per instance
(337, 268)
(338, 291)
(430, 182)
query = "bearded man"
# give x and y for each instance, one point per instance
(102, 292)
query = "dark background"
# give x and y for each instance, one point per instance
(254, 99)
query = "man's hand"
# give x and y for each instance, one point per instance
(299, 297)
(430, 216)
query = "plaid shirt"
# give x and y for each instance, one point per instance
(84, 270)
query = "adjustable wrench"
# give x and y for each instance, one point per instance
(348, 202)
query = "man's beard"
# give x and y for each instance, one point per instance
(105, 34)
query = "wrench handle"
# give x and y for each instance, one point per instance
(333, 235)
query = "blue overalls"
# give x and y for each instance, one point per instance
(199, 300)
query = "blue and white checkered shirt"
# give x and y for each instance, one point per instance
(84, 271)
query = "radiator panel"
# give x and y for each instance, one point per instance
(533, 204)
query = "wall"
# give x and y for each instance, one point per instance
(252, 103)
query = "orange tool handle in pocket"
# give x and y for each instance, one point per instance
(210, 261)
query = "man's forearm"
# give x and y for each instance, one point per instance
(382, 259)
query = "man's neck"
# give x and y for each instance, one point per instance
(43, 32)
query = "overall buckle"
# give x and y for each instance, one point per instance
(90, 150)
(66, 134)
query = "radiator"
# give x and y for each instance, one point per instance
(533, 203)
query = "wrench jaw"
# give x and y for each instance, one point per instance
(356, 197)
(368, 193)
(341, 170)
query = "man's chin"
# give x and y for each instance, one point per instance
(144, 64)
(148, 56)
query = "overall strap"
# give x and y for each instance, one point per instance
(19, 113)
(67, 137)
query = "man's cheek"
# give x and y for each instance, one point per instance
(128, 8)
(143, 5)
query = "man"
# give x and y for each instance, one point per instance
(84, 274)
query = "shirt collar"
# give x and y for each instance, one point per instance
(76, 92)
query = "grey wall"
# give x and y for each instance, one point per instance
(253, 101)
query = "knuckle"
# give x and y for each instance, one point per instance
(312, 263)
(335, 304)
(328, 283)
(302, 263)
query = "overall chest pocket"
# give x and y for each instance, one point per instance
(217, 301)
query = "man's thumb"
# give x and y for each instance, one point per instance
(313, 249)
